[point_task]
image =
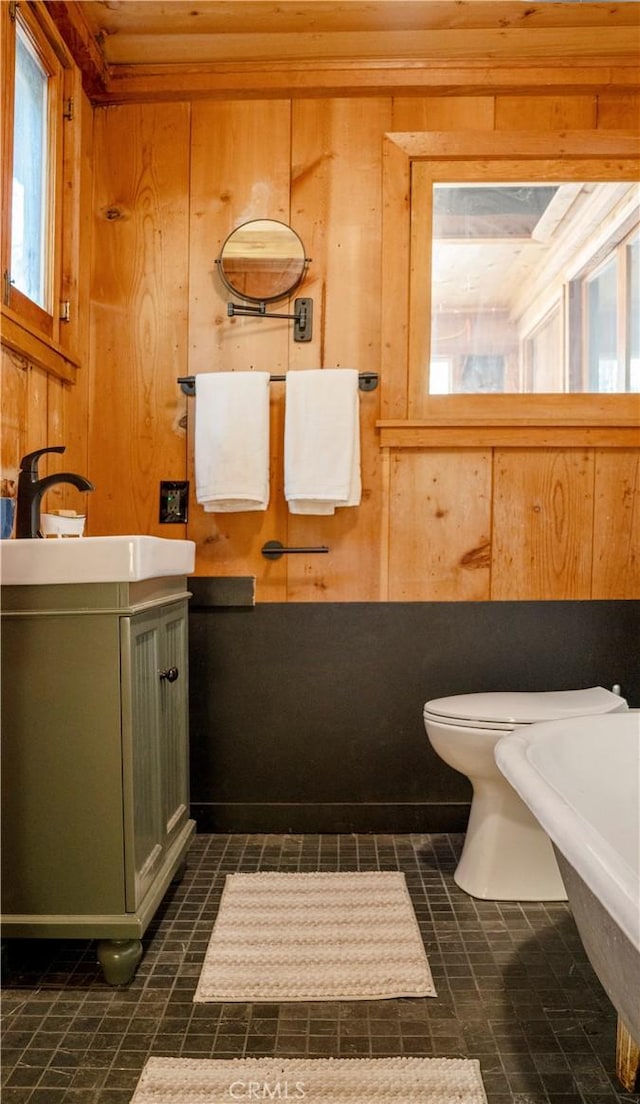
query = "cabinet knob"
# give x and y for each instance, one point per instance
(170, 674)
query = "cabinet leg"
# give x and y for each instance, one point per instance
(627, 1058)
(119, 958)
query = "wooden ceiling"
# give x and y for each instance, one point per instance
(142, 49)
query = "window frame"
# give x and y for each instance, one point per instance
(410, 415)
(39, 316)
(555, 311)
(41, 335)
(618, 253)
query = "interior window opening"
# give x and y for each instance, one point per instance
(30, 173)
(505, 258)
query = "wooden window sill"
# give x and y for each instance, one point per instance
(519, 421)
(431, 435)
(38, 349)
(561, 421)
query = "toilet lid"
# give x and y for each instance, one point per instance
(505, 709)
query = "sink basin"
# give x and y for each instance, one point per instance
(119, 559)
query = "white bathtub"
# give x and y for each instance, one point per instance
(581, 780)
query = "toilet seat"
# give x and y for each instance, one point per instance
(504, 710)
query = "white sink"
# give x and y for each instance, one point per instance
(118, 559)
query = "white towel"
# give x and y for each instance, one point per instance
(322, 440)
(232, 441)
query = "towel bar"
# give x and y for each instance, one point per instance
(273, 550)
(367, 381)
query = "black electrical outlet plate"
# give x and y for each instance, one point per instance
(174, 502)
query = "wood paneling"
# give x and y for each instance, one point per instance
(394, 306)
(230, 50)
(546, 112)
(53, 432)
(443, 112)
(14, 382)
(542, 524)
(138, 313)
(440, 526)
(38, 419)
(438, 521)
(311, 185)
(336, 199)
(494, 43)
(302, 80)
(616, 528)
(211, 18)
(240, 170)
(618, 112)
(35, 415)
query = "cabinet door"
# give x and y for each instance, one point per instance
(174, 706)
(141, 637)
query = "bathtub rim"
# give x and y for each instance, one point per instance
(606, 873)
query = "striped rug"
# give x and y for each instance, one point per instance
(315, 1080)
(316, 936)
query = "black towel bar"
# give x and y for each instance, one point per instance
(367, 381)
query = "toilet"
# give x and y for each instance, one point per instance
(506, 855)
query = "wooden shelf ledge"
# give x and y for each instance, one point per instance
(442, 435)
(582, 420)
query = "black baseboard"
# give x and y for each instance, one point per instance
(331, 818)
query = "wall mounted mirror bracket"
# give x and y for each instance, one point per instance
(302, 315)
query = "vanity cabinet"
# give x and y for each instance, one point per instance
(95, 804)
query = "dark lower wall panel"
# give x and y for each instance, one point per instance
(309, 717)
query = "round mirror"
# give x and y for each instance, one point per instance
(262, 260)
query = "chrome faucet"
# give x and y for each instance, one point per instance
(31, 490)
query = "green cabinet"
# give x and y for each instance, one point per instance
(95, 804)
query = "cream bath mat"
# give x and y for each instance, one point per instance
(306, 937)
(317, 1080)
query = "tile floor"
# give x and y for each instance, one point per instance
(514, 989)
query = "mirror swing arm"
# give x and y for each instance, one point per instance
(302, 316)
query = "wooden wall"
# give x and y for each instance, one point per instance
(170, 182)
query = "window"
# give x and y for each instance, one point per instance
(602, 329)
(544, 349)
(32, 161)
(29, 214)
(633, 314)
(504, 257)
(419, 412)
(611, 306)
